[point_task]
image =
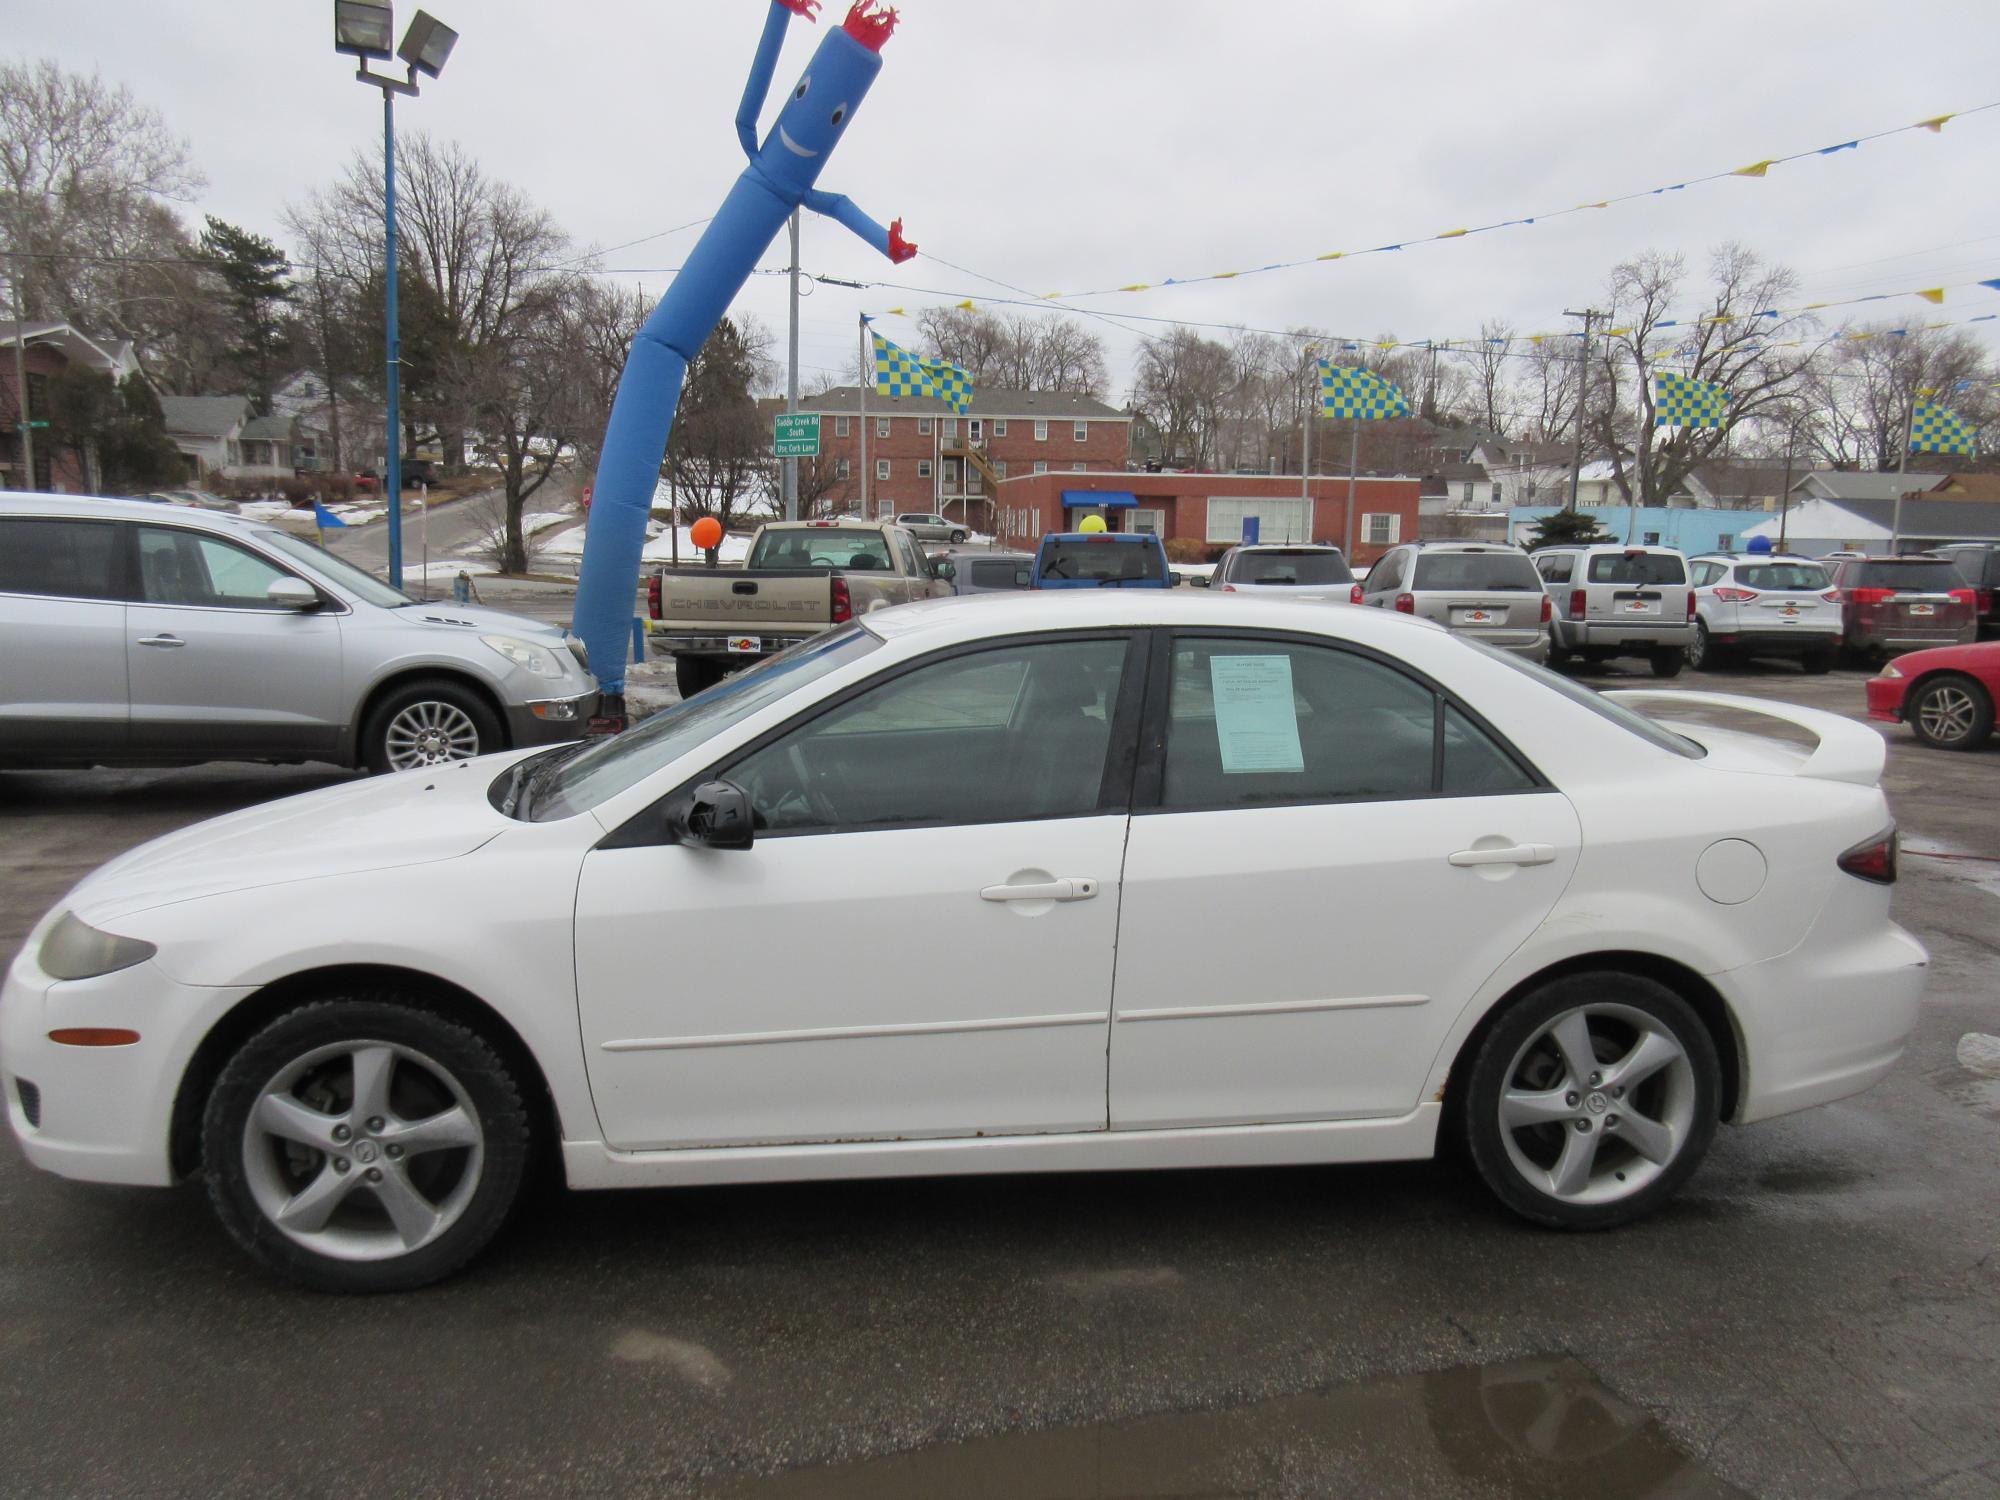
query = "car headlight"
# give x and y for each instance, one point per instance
(1889, 671)
(75, 950)
(526, 654)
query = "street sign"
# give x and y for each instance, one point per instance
(797, 435)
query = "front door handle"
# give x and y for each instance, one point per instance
(1070, 888)
(169, 641)
(1513, 854)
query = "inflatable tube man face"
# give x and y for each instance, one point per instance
(817, 113)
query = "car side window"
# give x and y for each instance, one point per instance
(1384, 574)
(1474, 763)
(1253, 723)
(1554, 568)
(185, 567)
(58, 559)
(1004, 735)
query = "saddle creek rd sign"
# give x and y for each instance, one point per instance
(797, 435)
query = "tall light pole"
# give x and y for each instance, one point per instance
(362, 29)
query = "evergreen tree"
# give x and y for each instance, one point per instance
(255, 272)
(1562, 526)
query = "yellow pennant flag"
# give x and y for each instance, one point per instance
(966, 306)
(1137, 286)
(1333, 255)
(1452, 234)
(1934, 294)
(1936, 123)
(1756, 168)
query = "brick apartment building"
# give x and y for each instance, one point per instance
(1212, 508)
(923, 456)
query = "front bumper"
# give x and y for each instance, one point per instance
(548, 721)
(104, 1113)
(1885, 698)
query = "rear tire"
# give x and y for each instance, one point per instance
(1642, 1070)
(693, 674)
(361, 1144)
(1702, 655)
(1950, 712)
(1817, 663)
(430, 722)
(1667, 661)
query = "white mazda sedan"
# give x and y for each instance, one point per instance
(1262, 882)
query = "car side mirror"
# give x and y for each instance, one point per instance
(293, 593)
(1024, 578)
(716, 815)
(945, 569)
(1194, 580)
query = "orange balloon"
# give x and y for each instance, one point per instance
(707, 533)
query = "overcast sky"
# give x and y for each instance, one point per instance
(1066, 144)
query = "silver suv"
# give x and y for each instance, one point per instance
(928, 527)
(1608, 600)
(135, 634)
(1484, 590)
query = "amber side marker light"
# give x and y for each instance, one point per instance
(93, 1036)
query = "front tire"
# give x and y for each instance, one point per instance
(430, 722)
(1668, 660)
(694, 674)
(1592, 1099)
(363, 1145)
(957, 536)
(1950, 712)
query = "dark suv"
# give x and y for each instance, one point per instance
(1978, 563)
(1892, 604)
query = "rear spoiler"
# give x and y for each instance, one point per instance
(1847, 751)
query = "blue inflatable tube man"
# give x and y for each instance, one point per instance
(780, 178)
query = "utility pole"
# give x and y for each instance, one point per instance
(1591, 316)
(24, 435)
(791, 479)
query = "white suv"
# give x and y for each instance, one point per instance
(1753, 604)
(1607, 600)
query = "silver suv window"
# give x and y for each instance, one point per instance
(1303, 565)
(1637, 567)
(58, 559)
(1476, 570)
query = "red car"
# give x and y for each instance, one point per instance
(1946, 695)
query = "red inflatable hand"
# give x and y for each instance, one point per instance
(900, 249)
(805, 8)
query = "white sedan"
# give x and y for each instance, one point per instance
(1262, 882)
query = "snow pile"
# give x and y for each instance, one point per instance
(659, 547)
(266, 510)
(448, 570)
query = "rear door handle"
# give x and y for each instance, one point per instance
(1513, 854)
(1070, 888)
(161, 640)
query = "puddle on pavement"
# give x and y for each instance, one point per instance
(1540, 1427)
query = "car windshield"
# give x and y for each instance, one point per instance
(1477, 570)
(822, 547)
(1915, 575)
(1302, 566)
(623, 760)
(338, 571)
(1647, 729)
(1637, 567)
(1104, 559)
(1779, 577)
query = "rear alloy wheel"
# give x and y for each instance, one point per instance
(958, 536)
(1592, 1100)
(428, 724)
(1701, 654)
(361, 1145)
(1667, 661)
(1950, 713)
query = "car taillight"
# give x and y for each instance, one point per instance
(1736, 596)
(1831, 596)
(1873, 596)
(1229, 588)
(1983, 601)
(1548, 609)
(1577, 604)
(1873, 860)
(1966, 597)
(653, 596)
(1406, 604)
(1354, 594)
(1690, 604)
(843, 602)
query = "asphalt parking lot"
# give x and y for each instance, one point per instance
(1818, 1314)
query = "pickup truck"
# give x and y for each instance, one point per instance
(800, 578)
(1102, 560)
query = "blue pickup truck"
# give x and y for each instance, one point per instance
(1102, 560)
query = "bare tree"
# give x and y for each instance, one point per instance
(1859, 393)
(1182, 383)
(1486, 366)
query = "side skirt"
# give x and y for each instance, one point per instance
(1411, 1137)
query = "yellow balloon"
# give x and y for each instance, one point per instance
(1092, 523)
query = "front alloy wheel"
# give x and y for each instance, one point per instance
(1951, 713)
(1592, 1100)
(359, 1145)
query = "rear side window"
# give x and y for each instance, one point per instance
(1555, 569)
(1281, 568)
(1476, 570)
(822, 547)
(58, 559)
(1915, 575)
(1779, 577)
(1109, 561)
(1637, 567)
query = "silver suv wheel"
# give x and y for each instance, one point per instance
(430, 733)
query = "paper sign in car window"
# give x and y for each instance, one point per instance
(1256, 717)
